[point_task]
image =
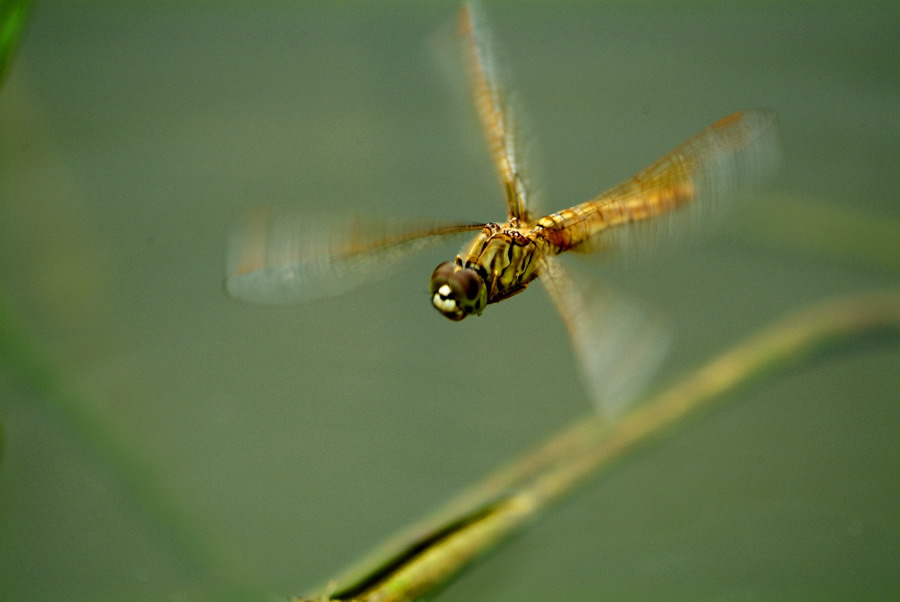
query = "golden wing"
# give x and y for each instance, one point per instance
(492, 103)
(728, 158)
(278, 258)
(618, 345)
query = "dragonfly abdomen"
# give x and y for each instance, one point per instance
(571, 227)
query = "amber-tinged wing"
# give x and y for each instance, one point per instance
(492, 102)
(618, 345)
(277, 258)
(727, 159)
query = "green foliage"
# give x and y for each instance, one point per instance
(13, 14)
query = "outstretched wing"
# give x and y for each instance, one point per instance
(278, 258)
(728, 158)
(619, 346)
(492, 102)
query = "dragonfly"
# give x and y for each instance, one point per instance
(278, 259)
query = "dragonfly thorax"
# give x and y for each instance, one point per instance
(457, 292)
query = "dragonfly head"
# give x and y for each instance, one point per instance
(457, 292)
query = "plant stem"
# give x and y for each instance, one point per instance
(137, 479)
(427, 555)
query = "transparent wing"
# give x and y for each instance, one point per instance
(618, 345)
(729, 158)
(278, 257)
(493, 104)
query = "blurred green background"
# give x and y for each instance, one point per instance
(163, 442)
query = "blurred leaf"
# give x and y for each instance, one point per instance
(825, 229)
(13, 14)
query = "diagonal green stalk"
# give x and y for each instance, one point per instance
(13, 15)
(427, 555)
(31, 371)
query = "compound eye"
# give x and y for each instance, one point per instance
(442, 275)
(466, 284)
(457, 292)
